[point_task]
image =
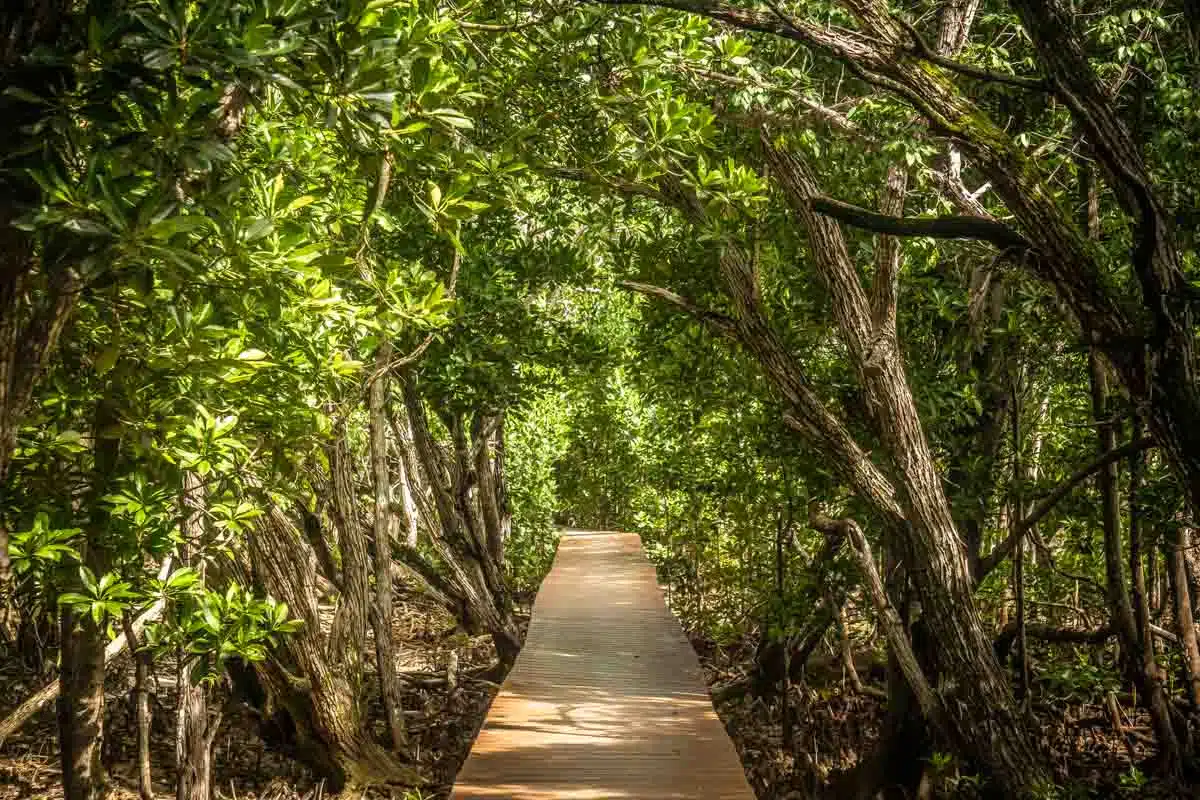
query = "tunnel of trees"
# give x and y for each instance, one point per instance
(874, 318)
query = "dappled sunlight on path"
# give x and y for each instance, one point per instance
(607, 699)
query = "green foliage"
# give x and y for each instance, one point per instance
(250, 197)
(101, 599)
(212, 627)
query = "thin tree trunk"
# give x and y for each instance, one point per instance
(1015, 517)
(194, 730)
(408, 506)
(1140, 666)
(143, 665)
(1176, 750)
(460, 540)
(1185, 623)
(782, 532)
(385, 658)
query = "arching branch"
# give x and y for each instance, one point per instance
(924, 51)
(953, 227)
(1044, 506)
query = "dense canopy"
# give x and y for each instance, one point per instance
(875, 320)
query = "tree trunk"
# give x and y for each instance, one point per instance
(940, 573)
(381, 617)
(489, 469)
(1185, 623)
(349, 630)
(81, 706)
(81, 701)
(461, 541)
(194, 734)
(311, 679)
(143, 667)
(406, 476)
(1140, 667)
(194, 730)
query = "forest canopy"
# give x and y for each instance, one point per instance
(875, 319)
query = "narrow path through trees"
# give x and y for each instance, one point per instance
(607, 699)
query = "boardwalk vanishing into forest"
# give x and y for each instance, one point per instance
(606, 700)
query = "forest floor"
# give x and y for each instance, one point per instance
(834, 726)
(441, 723)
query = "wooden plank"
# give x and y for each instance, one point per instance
(607, 699)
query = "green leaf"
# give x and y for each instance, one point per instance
(86, 227)
(89, 581)
(107, 359)
(166, 228)
(299, 202)
(452, 117)
(258, 229)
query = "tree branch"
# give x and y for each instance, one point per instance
(839, 43)
(955, 227)
(831, 115)
(1043, 507)
(717, 323)
(922, 50)
(617, 184)
(1048, 633)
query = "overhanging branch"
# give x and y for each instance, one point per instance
(953, 227)
(924, 51)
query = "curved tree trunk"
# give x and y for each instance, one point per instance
(470, 529)
(313, 681)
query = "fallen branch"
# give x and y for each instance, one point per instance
(1049, 633)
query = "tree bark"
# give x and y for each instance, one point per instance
(385, 658)
(1185, 623)
(461, 541)
(1139, 665)
(194, 730)
(349, 628)
(313, 684)
(81, 702)
(143, 666)
(941, 573)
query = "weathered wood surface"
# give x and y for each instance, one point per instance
(606, 700)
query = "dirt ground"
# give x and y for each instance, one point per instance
(834, 726)
(442, 723)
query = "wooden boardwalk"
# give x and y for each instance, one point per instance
(606, 700)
